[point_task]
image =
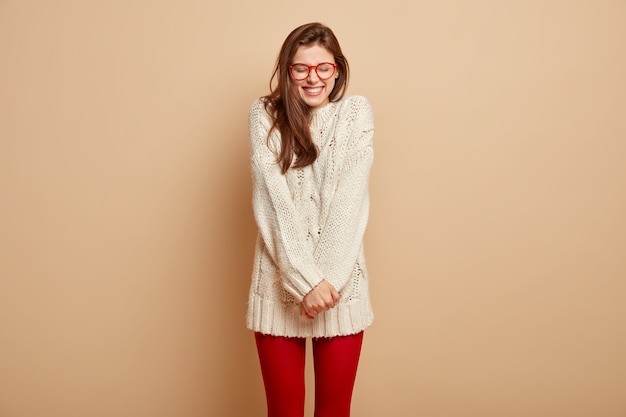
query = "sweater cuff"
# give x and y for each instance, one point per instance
(299, 287)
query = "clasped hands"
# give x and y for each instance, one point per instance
(321, 298)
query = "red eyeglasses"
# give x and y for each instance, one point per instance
(324, 71)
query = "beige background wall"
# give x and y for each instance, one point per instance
(497, 241)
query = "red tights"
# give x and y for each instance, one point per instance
(282, 365)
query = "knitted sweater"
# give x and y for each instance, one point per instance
(311, 223)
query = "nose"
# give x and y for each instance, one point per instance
(313, 75)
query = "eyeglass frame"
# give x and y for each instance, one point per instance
(314, 67)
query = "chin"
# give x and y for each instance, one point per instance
(315, 102)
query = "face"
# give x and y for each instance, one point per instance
(312, 89)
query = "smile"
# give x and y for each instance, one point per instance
(313, 91)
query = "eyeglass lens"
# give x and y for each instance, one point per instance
(324, 71)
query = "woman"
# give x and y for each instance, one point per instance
(311, 154)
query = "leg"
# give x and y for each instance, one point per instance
(336, 360)
(282, 366)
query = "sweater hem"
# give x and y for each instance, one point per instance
(267, 317)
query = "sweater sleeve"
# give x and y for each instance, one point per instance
(341, 238)
(280, 226)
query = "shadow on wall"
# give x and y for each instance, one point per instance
(234, 379)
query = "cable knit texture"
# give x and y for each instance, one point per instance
(311, 223)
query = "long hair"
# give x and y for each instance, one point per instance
(291, 115)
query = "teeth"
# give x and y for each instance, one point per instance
(314, 89)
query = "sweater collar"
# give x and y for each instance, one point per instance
(321, 115)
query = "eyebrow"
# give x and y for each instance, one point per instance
(319, 63)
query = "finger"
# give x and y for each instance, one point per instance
(332, 300)
(312, 310)
(305, 314)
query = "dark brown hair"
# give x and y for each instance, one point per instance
(291, 115)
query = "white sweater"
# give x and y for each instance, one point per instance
(311, 223)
